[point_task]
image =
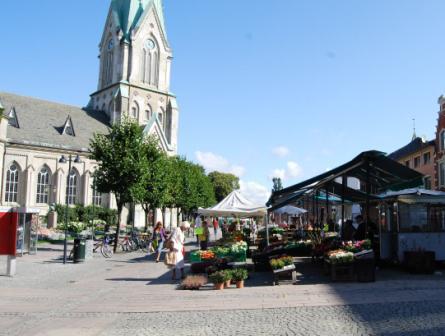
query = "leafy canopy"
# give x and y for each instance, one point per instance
(223, 184)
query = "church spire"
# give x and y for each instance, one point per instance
(414, 130)
(128, 14)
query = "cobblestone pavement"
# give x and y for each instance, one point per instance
(130, 294)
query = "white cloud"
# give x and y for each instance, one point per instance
(281, 151)
(293, 170)
(213, 162)
(281, 173)
(255, 192)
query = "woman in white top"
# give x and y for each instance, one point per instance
(178, 240)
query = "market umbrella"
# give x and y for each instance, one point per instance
(290, 210)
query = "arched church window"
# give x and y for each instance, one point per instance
(71, 187)
(43, 186)
(150, 62)
(12, 183)
(135, 111)
(108, 62)
(148, 113)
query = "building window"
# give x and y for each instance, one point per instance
(97, 196)
(426, 158)
(12, 184)
(427, 182)
(442, 140)
(442, 174)
(407, 163)
(107, 73)
(417, 162)
(150, 63)
(135, 111)
(161, 117)
(148, 113)
(71, 188)
(43, 186)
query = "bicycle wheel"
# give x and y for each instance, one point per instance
(107, 251)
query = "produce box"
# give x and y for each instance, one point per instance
(195, 256)
(238, 256)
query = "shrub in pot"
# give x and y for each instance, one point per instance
(193, 282)
(239, 275)
(228, 278)
(218, 279)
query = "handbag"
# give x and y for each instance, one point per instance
(170, 258)
(199, 231)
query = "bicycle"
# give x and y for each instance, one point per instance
(105, 246)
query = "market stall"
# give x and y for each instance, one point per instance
(412, 221)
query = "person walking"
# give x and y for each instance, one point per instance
(177, 251)
(159, 237)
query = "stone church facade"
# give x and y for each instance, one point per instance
(134, 82)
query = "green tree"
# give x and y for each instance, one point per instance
(195, 188)
(277, 185)
(223, 184)
(121, 163)
(151, 192)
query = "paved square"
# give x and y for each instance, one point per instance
(130, 294)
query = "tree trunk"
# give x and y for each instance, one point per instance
(147, 214)
(118, 229)
(163, 217)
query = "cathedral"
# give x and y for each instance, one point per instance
(38, 137)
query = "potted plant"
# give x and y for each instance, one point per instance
(228, 278)
(218, 279)
(239, 275)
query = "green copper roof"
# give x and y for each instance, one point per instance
(128, 13)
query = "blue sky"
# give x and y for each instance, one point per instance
(266, 88)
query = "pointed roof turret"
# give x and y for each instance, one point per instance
(128, 14)
(414, 130)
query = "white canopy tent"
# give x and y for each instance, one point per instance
(235, 205)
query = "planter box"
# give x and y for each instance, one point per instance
(341, 272)
(290, 269)
(420, 262)
(365, 270)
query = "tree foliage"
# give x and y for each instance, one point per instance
(121, 162)
(223, 184)
(277, 184)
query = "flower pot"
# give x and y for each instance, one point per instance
(219, 286)
(240, 284)
(227, 283)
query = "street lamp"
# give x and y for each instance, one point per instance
(70, 160)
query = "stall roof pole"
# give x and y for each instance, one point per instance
(368, 191)
(327, 206)
(267, 228)
(343, 185)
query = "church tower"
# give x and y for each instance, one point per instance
(134, 75)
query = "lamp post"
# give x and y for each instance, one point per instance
(70, 160)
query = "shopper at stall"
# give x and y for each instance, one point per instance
(159, 238)
(205, 236)
(177, 240)
(348, 231)
(198, 224)
(215, 226)
(360, 233)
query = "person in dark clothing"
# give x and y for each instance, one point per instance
(348, 231)
(360, 233)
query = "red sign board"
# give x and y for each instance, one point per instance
(8, 233)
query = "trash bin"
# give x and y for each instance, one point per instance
(79, 250)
